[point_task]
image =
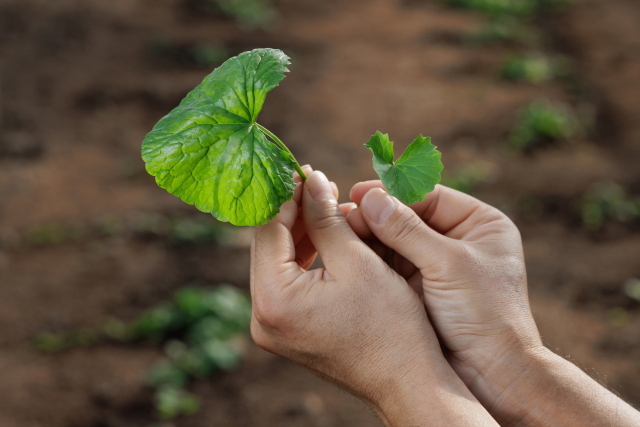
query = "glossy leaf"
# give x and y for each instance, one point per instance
(413, 175)
(209, 151)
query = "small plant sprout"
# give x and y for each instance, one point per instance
(505, 29)
(544, 121)
(201, 331)
(534, 68)
(211, 152)
(608, 201)
(249, 13)
(523, 8)
(497, 7)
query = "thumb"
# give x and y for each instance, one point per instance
(326, 224)
(401, 229)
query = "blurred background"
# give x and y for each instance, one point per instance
(122, 306)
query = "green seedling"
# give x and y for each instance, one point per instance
(510, 19)
(520, 8)
(201, 331)
(534, 68)
(211, 152)
(505, 29)
(173, 401)
(544, 121)
(203, 325)
(608, 201)
(498, 7)
(250, 14)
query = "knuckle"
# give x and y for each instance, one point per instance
(406, 226)
(326, 214)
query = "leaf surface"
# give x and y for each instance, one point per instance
(413, 175)
(209, 151)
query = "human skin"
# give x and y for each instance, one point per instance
(465, 259)
(356, 322)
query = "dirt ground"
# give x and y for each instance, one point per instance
(79, 89)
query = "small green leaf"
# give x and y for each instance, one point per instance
(209, 151)
(414, 174)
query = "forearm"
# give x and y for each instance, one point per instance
(545, 390)
(426, 401)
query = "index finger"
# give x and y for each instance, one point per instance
(274, 251)
(448, 211)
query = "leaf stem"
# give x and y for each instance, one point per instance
(283, 147)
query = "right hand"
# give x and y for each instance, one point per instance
(465, 258)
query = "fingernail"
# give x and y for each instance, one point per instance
(378, 205)
(319, 186)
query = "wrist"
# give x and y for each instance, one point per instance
(550, 391)
(511, 387)
(434, 396)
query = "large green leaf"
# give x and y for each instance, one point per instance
(414, 174)
(209, 151)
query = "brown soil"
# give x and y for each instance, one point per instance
(79, 90)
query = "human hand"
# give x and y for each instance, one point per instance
(465, 258)
(356, 322)
(306, 253)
